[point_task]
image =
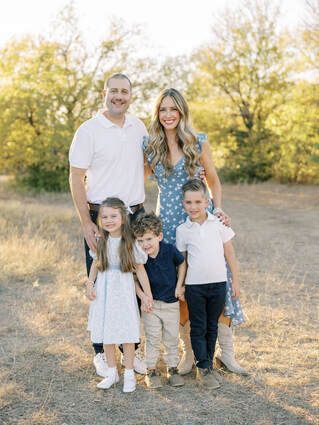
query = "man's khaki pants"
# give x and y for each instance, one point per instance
(162, 325)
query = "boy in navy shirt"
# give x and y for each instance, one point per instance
(166, 269)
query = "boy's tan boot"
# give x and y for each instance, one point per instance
(226, 357)
(153, 380)
(187, 360)
(174, 379)
(206, 379)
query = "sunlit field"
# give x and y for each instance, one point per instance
(47, 376)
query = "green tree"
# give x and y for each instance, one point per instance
(50, 85)
(247, 64)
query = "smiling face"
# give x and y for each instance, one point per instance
(149, 242)
(111, 221)
(195, 204)
(168, 114)
(117, 96)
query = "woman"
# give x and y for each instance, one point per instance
(174, 153)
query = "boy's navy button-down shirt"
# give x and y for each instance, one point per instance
(162, 273)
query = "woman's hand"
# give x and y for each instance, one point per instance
(222, 216)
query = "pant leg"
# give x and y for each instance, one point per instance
(214, 308)
(196, 300)
(153, 336)
(169, 313)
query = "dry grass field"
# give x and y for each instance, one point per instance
(47, 375)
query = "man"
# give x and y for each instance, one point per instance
(106, 159)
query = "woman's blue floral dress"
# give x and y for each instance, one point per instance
(172, 214)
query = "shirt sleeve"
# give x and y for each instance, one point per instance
(201, 139)
(180, 242)
(81, 149)
(226, 233)
(178, 257)
(146, 141)
(139, 255)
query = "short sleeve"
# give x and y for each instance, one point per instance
(201, 139)
(81, 149)
(226, 233)
(180, 241)
(146, 141)
(139, 255)
(178, 257)
(93, 254)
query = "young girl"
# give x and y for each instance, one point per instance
(114, 316)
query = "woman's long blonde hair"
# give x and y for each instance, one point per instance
(157, 148)
(126, 253)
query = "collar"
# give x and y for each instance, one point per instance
(108, 124)
(160, 251)
(210, 217)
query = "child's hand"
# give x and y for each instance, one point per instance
(235, 290)
(147, 303)
(90, 290)
(179, 293)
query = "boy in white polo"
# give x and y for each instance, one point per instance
(205, 242)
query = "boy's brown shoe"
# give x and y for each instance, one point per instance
(153, 380)
(174, 379)
(206, 378)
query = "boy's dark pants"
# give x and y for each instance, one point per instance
(98, 348)
(205, 304)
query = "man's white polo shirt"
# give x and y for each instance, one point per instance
(205, 250)
(113, 158)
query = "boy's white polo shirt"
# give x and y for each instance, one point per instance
(205, 250)
(113, 158)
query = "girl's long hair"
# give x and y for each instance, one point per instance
(126, 252)
(157, 148)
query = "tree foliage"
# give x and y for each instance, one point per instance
(252, 88)
(247, 64)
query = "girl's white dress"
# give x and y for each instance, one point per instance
(114, 316)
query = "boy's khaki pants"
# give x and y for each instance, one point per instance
(162, 325)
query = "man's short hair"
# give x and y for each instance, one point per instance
(147, 222)
(195, 185)
(118, 75)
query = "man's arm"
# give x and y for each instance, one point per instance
(90, 230)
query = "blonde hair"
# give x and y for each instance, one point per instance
(195, 185)
(157, 148)
(126, 253)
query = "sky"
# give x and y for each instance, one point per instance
(173, 27)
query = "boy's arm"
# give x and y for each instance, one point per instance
(233, 265)
(181, 273)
